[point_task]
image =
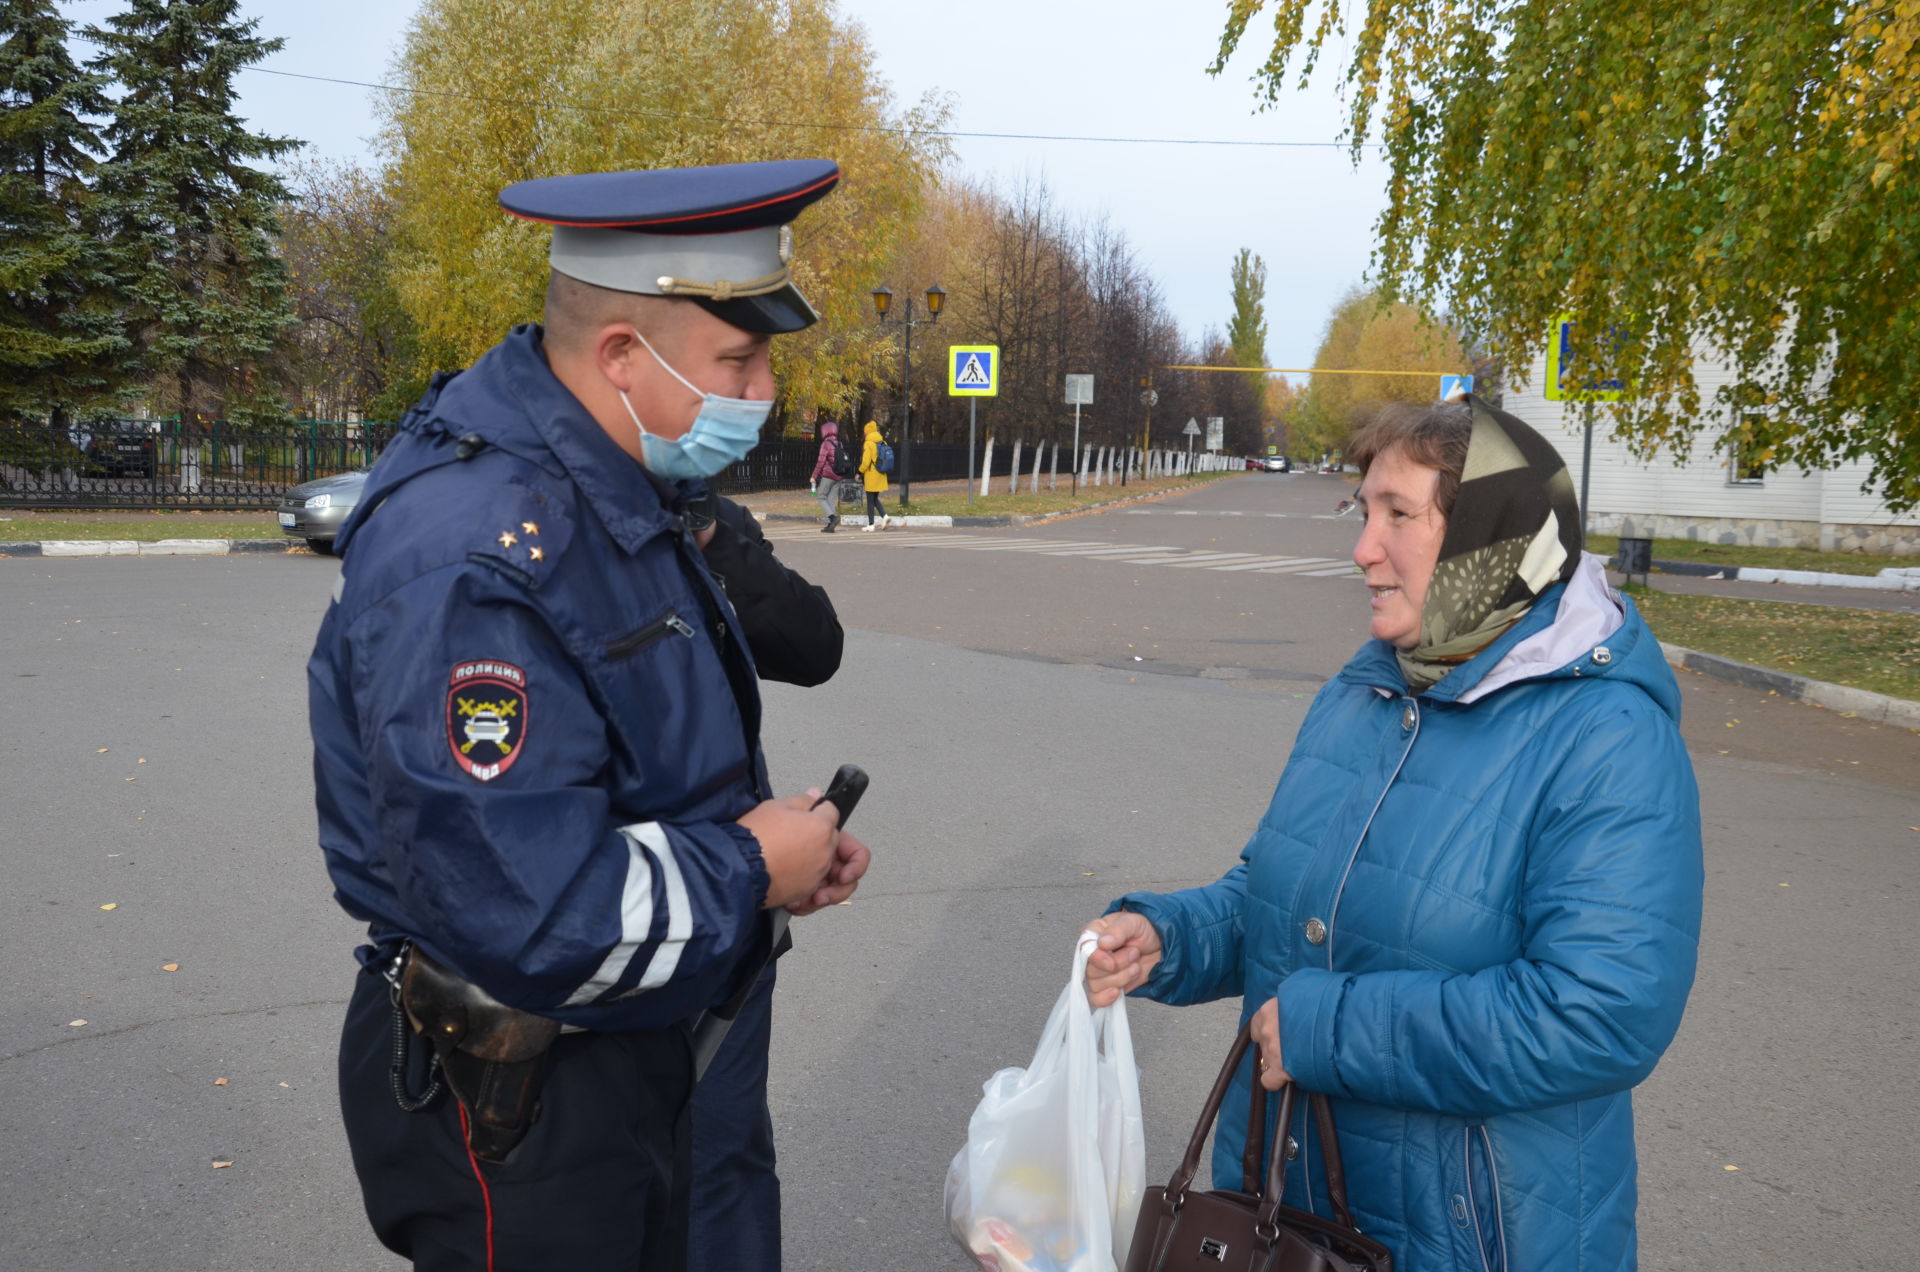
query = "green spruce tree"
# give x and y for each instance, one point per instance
(190, 222)
(61, 346)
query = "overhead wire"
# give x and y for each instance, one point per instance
(897, 130)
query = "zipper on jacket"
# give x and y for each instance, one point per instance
(660, 628)
(1333, 914)
(1487, 1260)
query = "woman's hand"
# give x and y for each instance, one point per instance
(1129, 949)
(1266, 1036)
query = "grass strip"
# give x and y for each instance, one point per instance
(1876, 650)
(1002, 504)
(1759, 557)
(146, 527)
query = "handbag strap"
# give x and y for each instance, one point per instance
(1276, 1172)
(1254, 1157)
(1189, 1167)
(1330, 1156)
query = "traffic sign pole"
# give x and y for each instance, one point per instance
(1076, 450)
(1586, 470)
(973, 406)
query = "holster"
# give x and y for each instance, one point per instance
(493, 1055)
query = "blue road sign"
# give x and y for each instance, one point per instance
(973, 370)
(1452, 384)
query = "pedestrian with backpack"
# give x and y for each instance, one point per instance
(876, 461)
(835, 466)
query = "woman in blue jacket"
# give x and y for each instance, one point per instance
(1471, 912)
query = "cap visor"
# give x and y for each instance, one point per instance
(772, 314)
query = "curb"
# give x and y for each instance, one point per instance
(155, 547)
(1877, 707)
(1899, 579)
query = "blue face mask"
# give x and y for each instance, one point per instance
(722, 433)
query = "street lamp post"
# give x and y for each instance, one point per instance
(882, 303)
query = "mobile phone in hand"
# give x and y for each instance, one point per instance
(844, 792)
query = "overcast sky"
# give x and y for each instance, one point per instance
(1106, 68)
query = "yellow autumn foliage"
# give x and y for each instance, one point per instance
(499, 91)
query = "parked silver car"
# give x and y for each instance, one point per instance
(314, 510)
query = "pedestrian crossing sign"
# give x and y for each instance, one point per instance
(973, 370)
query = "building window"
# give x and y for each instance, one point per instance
(1746, 456)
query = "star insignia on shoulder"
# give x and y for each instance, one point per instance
(527, 527)
(508, 539)
(536, 554)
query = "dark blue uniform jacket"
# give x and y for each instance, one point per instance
(534, 720)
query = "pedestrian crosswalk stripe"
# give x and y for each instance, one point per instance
(1122, 550)
(1029, 546)
(1093, 550)
(1264, 562)
(1215, 558)
(1298, 567)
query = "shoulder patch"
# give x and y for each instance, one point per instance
(487, 707)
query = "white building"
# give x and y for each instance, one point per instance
(1714, 497)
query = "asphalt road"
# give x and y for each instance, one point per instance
(1025, 769)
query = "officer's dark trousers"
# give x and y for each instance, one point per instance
(736, 1195)
(598, 1185)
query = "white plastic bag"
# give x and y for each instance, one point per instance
(1051, 1175)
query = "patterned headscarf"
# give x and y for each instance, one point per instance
(1514, 532)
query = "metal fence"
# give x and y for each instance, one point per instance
(143, 464)
(164, 464)
(788, 465)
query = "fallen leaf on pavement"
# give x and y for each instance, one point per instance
(101, 751)
(141, 760)
(223, 1165)
(174, 967)
(219, 1082)
(111, 905)
(1729, 1168)
(75, 1024)
(285, 1085)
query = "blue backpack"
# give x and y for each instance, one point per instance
(883, 457)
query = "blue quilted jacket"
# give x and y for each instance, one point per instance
(1479, 908)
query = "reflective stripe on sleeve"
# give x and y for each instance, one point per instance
(679, 912)
(636, 914)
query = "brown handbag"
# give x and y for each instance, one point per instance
(1250, 1231)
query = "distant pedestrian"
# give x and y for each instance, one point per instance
(876, 457)
(834, 467)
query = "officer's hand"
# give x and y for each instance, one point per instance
(797, 843)
(850, 861)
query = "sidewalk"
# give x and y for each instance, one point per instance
(1895, 579)
(1835, 596)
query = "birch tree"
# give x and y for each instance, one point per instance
(1741, 172)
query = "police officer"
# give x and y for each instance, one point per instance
(536, 732)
